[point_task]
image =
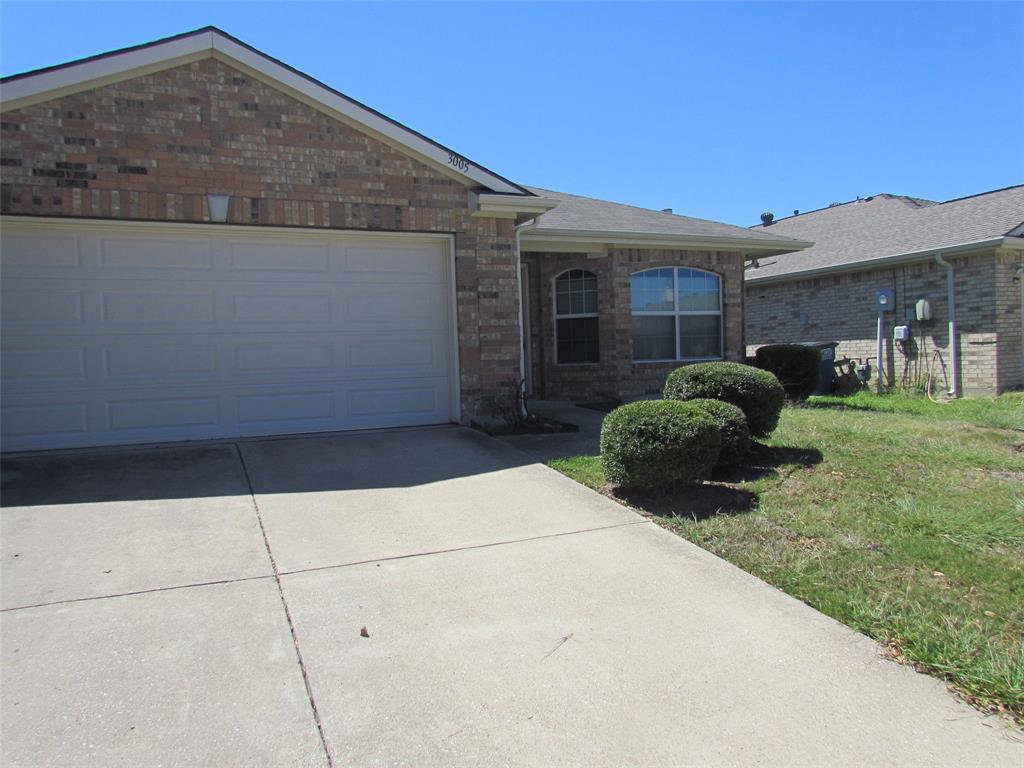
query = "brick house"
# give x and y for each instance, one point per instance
(970, 250)
(200, 241)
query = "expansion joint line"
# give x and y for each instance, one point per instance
(287, 612)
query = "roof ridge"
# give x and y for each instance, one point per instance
(828, 207)
(918, 202)
(927, 202)
(981, 194)
(624, 205)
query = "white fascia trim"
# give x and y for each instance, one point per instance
(883, 261)
(512, 206)
(583, 240)
(121, 66)
(60, 81)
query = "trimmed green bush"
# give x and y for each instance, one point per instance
(755, 392)
(798, 368)
(733, 426)
(657, 443)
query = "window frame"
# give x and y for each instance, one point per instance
(676, 313)
(575, 316)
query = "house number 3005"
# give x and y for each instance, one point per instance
(457, 162)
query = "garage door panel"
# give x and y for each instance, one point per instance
(393, 308)
(399, 262)
(399, 401)
(266, 308)
(42, 306)
(153, 253)
(41, 253)
(37, 366)
(287, 406)
(259, 358)
(155, 359)
(400, 358)
(250, 256)
(149, 413)
(110, 339)
(146, 306)
(46, 423)
(375, 354)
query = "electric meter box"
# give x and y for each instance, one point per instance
(884, 300)
(901, 333)
(923, 309)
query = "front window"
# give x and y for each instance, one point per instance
(677, 314)
(576, 317)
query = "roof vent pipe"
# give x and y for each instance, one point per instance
(767, 218)
(954, 346)
(666, 210)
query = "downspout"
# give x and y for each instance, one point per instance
(519, 229)
(954, 346)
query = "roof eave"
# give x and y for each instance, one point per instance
(556, 240)
(512, 206)
(859, 266)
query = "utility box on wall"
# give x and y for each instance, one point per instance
(923, 310)
(884, 300)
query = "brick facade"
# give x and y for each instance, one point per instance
(616, 376)
(152, 147)
(840, 308)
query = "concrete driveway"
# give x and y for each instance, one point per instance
(182, 606)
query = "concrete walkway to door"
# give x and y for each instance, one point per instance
(205, 605)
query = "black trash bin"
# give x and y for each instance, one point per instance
(827, 380)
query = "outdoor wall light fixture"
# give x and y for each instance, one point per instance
(218, 205)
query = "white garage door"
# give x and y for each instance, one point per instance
(135, 333)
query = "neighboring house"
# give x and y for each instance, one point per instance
(904, 244)
(200, 241)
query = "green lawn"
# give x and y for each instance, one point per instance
(891, 516)
(1006, 412)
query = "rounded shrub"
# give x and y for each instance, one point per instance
(733, 426)
(798, 368)
(657, 443)
(755, 392)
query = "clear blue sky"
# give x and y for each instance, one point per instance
(716, 110)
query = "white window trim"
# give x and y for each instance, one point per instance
(677, 313)
(574, 316)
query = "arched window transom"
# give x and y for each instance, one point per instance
(677, 314)
(576, 311)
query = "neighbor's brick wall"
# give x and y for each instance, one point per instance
(1009, 307)
(154, 146)
(616, 376)
(841, 308)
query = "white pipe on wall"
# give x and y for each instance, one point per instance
(879, 352)
(954, 345)
(519, 229)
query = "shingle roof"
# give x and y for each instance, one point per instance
(588, 214)
(886, 226)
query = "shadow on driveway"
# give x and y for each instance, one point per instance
(303, 463)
